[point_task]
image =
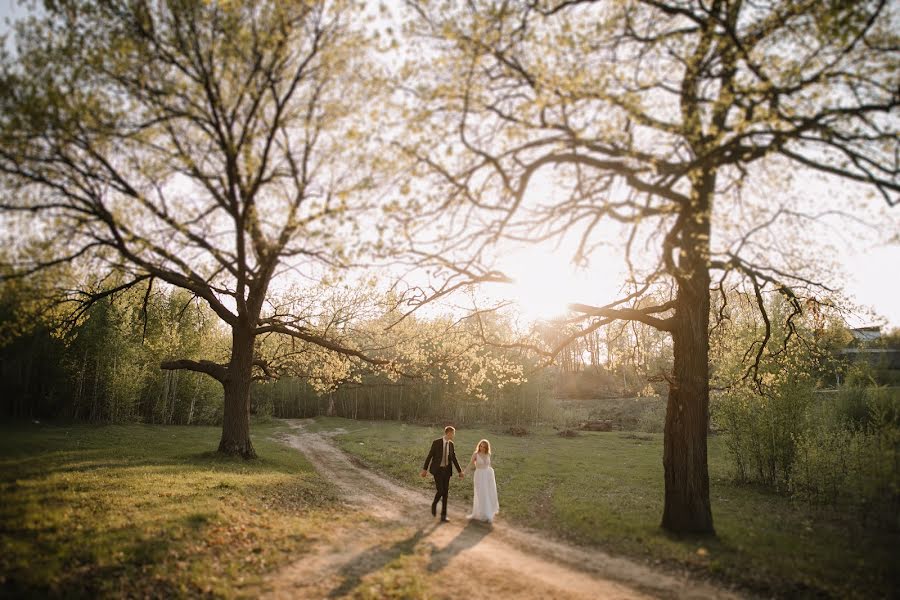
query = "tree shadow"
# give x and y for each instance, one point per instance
(374, 559)
(469, 536)
(237, 464)
(66, 567)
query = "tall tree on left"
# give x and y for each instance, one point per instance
(209, 145)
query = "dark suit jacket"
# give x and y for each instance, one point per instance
(435, 455)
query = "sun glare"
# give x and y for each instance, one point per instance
(545, 282)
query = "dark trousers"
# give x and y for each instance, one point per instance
(442, 483)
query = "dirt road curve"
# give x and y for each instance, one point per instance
(459, 559)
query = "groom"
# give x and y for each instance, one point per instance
(442, 457)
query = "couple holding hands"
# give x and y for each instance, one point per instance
(440, 461)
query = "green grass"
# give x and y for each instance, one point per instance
(606, 490)
(146, 510)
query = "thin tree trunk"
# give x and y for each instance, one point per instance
(191, 411)
(26, 398)
(114, 407)
(79, 397)
(93, 414)
(160, 406)
(173, 391)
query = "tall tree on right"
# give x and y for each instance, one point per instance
(665, 117)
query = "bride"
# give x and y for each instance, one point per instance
(484, 503)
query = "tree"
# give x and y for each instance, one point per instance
(211, 146)
(665, 117)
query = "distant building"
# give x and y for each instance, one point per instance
(866, 335)
(864, 350)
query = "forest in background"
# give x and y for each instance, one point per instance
(104, 366)
(788, 427)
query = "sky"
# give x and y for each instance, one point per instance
(868, 272)
(874, 280)
(546, 281)
(9, 10)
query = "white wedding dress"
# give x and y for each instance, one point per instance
(485, 503)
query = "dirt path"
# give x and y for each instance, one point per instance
(401, 544)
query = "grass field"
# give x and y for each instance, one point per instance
(606, 489)
(150, 511)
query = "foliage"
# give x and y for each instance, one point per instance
(766, 392)
(206, 145)
(849, 461)
(105, 367)
(761, 431)
(442, 370)
(831, 448)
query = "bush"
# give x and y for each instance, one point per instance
(850, 406)
(852, 464)
(856, 406)
(653, 418)
(761, 430)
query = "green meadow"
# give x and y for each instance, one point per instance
(150, 511)
(605, 489)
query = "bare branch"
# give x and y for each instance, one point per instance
(215, 370)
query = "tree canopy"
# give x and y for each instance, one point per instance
(663, 117)
(202, 144)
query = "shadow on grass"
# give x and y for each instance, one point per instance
(469, 536)
(70, 567)
(375, 559)
(12, 467)
(120, 511)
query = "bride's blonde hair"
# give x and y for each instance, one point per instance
(478, 446)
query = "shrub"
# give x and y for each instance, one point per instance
(850, 406)
(761, 429)
(850, 467)
(857, 406)
(653, 417)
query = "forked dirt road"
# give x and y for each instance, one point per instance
(461, 559)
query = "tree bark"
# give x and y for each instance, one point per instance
(687, 507)
(236, 425)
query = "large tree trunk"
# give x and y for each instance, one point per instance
(236, 426)
(687, 507)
